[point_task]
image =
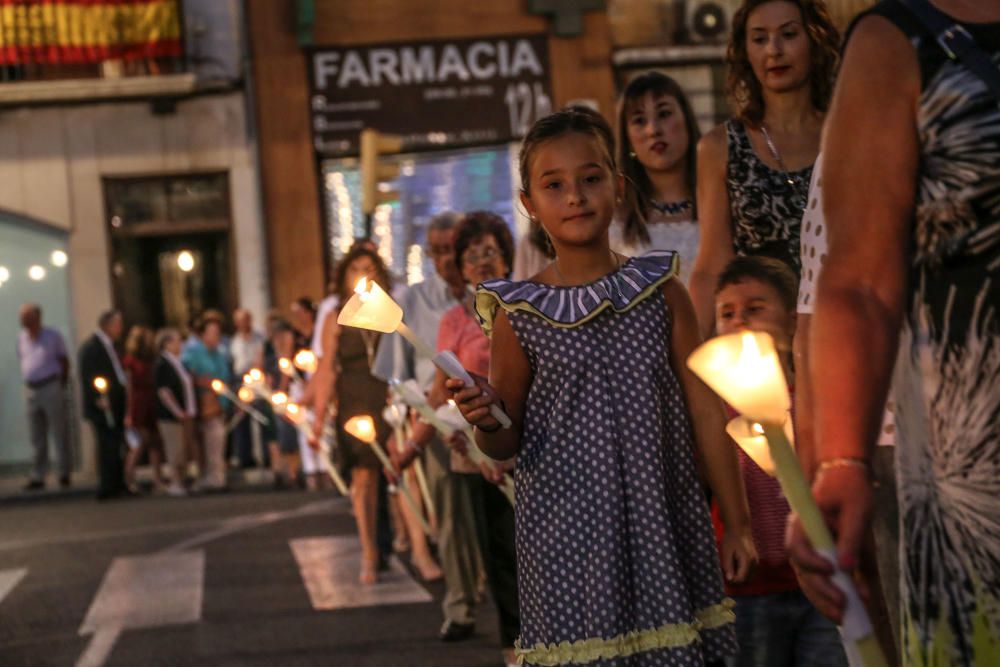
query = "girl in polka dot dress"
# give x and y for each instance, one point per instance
(616, 557)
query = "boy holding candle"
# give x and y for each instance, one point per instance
(775, 624)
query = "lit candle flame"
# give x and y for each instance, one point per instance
(295, 413)
(284, 364)
(100, 384)
(757, 428)
(361, 427)
(279, 398)
(361, 289)
(245, 394)
(255, 375)
(247, 379)
(217, 386)
(305, 361)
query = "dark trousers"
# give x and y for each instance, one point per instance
(494, 519)
(110, 465)
(241, 441)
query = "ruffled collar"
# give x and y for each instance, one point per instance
(571, 306)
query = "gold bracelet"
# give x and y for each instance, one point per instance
(845, 461)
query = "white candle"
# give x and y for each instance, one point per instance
(743, 368)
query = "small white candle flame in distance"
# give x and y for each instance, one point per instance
(305, 361)
(285, 365)
(217, 386)
(757, 428)
(279, 398)
(255, 375)
(246, 394)
(100, 384)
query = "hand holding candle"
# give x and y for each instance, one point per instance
(371, 308)
(296, 414)
(450, 414)
(362, 427)
(396, 415)
(743, 368)
(101, 385)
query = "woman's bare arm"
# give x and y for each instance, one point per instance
(716, 245)
(870, 158)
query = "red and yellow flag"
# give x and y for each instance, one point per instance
(87, 31)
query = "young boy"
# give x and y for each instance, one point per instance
(776, 625)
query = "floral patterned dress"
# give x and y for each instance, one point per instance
(947, 383)
(617, 563)
(765, 204)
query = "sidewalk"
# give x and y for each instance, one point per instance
(12, 485)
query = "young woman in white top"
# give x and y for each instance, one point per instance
(657, 139)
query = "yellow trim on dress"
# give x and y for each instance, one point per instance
(671, 635)
(487, 301)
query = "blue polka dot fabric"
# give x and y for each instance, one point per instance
(614, 537)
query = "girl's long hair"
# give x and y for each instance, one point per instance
(636, 201)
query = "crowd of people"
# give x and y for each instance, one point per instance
(640, 534)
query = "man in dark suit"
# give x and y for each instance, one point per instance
(105, 411)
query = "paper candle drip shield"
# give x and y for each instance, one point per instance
(743, 369)
(362, 428)
(372, 309)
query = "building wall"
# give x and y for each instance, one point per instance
(581, 69)
(52, 161)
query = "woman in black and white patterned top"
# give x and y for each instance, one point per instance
(909, 291)
(754, 170)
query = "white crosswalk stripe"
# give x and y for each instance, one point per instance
(9, 579)
(143, 592)
(329, 568)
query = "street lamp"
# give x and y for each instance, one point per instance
(185, 261)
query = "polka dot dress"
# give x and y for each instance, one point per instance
(613, 531)
(813, 247)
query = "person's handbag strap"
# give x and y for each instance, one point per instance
(957, 43)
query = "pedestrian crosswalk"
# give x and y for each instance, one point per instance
(329, 568)
(168, 588)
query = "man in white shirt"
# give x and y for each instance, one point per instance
(45, 370)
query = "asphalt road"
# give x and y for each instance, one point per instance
(248, 578)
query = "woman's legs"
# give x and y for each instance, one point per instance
(363, 498)
(420, 553)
